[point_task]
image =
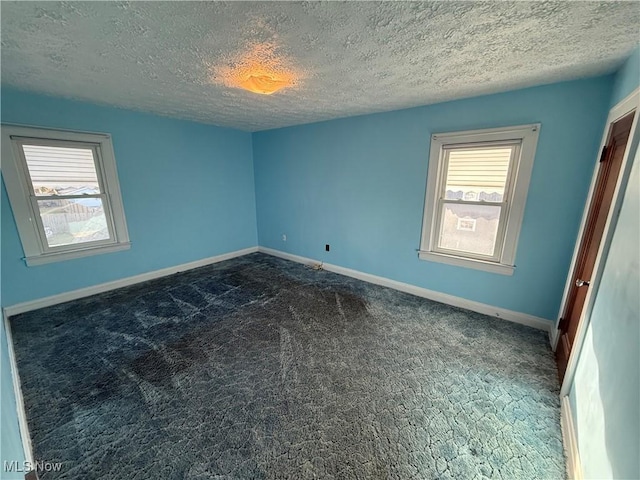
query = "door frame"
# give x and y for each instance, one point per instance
(625, 106)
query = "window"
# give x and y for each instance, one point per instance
(476, 192)
(64, 192)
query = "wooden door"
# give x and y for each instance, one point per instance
(611, 163)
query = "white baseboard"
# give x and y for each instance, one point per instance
(17, 390)
(123, 282)
(574, 469)
(290, 256)
(554, 336)
(510, 315)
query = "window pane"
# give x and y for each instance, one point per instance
(72, 221)
(477, 174)
(469, 228)
(61, 171)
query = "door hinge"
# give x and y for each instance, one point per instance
(562, 324)
(603, 155)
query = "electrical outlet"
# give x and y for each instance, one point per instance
(327, 247)
(284, 237)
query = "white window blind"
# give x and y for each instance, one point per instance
(478, 169)
(60, 169)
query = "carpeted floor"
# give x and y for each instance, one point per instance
(261, 368)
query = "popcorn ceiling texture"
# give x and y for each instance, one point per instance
(351, 58)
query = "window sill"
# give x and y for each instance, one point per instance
(492, 267)
(70, 255)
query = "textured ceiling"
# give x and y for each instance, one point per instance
(349, 58)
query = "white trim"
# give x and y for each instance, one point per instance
(491, 267)
(570, 440)
(503, 313)
(71, 255)
(618, 111)
(17, 390)
(290, 256)
(123, 282)
(515, 195)
(554, 336)
(67, 133)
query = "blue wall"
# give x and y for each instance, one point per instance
(359, 183)
(627, 78)
(605, 392)
(187, 188)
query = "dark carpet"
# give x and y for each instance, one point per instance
(261, 368)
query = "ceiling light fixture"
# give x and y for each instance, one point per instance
(261, 69)
(264, 84)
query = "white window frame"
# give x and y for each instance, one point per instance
(21, 196)
(518, 177)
